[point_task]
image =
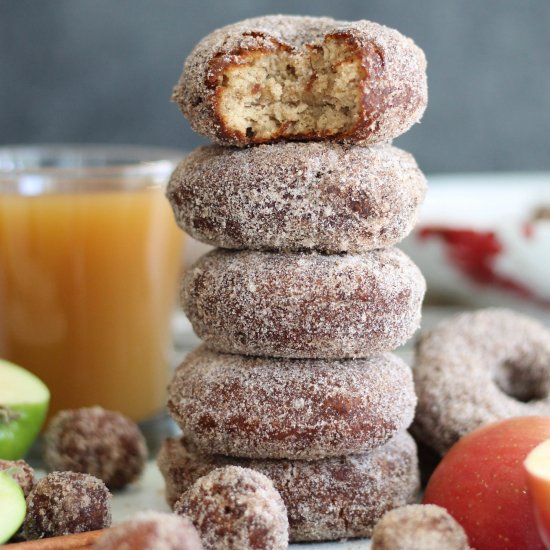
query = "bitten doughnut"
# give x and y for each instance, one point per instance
(297, 196)
(285, 77)
(236, 508)
(477, 368)
(303, 305)
(419, 527)
(290, 408)
(326, 499)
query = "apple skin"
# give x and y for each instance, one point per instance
(482, 483)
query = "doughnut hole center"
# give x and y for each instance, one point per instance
(523, 382)
(316, 91)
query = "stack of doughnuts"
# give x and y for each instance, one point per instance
(304, 296)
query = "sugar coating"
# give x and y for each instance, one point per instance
(290, 408)
(236, 508)
(67, 502)
(296, 196)
(477, 368)
(289, 77)
(151, 531)
(96, 441)
(419, 527)
(303, 305)
(21, 472)
(326, 499)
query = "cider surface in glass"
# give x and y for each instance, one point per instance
(87, 288)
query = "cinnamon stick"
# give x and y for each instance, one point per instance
(80, 541)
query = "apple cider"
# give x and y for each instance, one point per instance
(88, 282)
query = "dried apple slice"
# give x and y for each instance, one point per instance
(24, 401)
(12, 506)
(537, 465)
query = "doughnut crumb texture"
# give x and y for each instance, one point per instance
(63, 503)
(419, 527)
(476, 368)
(326, 499)
(95, 441)
(151, 531)
(290, 408)
(298, 196)
(283, 77)
(236, 508)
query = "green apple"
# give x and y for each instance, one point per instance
(12, 505)
(24, 401)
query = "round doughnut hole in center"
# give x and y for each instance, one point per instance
(522, 382)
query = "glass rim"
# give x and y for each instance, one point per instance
(54, 168)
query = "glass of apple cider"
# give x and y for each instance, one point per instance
(90, 257)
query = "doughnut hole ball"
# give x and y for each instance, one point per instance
(236, 508)
(151, 531)
(419, 527)
(63, 503)
(98, 442)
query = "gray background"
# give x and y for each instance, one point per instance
(102, 71)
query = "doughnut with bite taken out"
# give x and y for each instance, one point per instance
(283, 77)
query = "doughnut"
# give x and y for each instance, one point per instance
(283, 77)
(98, 442)
(303, 304)
(236, 508)
(298, 196)
(63, 503)
(290, 408)
(326, 499)
(151, 531)
(21, 472)
(419, 527)
(476, 368)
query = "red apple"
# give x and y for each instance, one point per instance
(481, 481)
(537, 466)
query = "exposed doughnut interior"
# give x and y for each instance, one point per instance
(315, 91)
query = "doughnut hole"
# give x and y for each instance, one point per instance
(290, 94)
(64, 503)
(236, 508)
(522, 380)
(98, 442)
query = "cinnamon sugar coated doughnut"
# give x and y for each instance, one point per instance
(95, 441)
(21, 472)
(63, 503)
(290, 408)
(236, 508)
(286, 77)
(419, 527)
(477, 368)
(151, 531)
(296, 196)
(326, 499)
(303, 305)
